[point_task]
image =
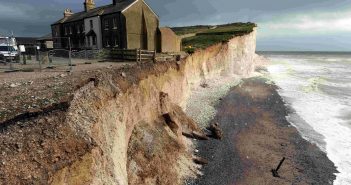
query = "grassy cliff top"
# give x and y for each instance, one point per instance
(203, 36)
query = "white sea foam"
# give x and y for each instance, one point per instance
(300, 82)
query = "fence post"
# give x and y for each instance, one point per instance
(24, 58)
(136, 55)
(139, 55)
(154, 57)
(40, 67)
(69, 55)
(49, 60)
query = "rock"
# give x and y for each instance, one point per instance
(13, 85)
(204, 85)
(217, 132)
(63, 75)
(123, 74)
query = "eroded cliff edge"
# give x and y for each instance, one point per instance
(123, 127)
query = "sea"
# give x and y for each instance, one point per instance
(316, 86)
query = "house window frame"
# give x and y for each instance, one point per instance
(91, 24)
(88, 41)
(78, 28)
(66, 30)
(106, 24)
(116, 43)
(114, 23)
(70, 30)
(94, 40)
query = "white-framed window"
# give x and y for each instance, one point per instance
(83, 28)
(114, 21)
(70, 30)
(66, 30)
(78, 28)
(116, 43)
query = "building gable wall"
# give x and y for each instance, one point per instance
(170, 42)
(96, 28)
(141, 26)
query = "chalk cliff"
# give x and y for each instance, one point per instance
(123, 127)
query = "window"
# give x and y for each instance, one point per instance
(91, 24)
(78, 28)
(107, 43)
(116, 43)
(66, 30)
(114, 21)
(106, 25)
(88, 41)
(83, 28)
(70, 30)
(94, 40)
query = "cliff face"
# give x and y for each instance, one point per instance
(123, 127)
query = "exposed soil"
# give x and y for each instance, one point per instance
(28, 92)
(256, 137)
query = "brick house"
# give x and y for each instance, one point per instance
(128, 24)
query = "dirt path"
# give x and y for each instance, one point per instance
(256, 137)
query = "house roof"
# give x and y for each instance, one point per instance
(107, 9)
(26, 40)
(46, 37)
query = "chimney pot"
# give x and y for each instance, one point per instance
(68, 12)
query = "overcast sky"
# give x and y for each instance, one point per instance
(319, 25)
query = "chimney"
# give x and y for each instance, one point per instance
(68, 12)
(88, 5)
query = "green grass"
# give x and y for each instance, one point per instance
(207, 35)
(190, 29)
(203, 41)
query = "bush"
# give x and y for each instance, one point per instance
(189, 50)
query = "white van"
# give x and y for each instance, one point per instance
(8, 52)
(8, 49)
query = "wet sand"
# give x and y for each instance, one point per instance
(256, 137)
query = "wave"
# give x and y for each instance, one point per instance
(320, 100)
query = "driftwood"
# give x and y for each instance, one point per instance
(195, 135)
(200, 160)
(275, 171)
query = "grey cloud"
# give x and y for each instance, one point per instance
(34, 17)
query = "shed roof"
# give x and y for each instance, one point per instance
(168, 31)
